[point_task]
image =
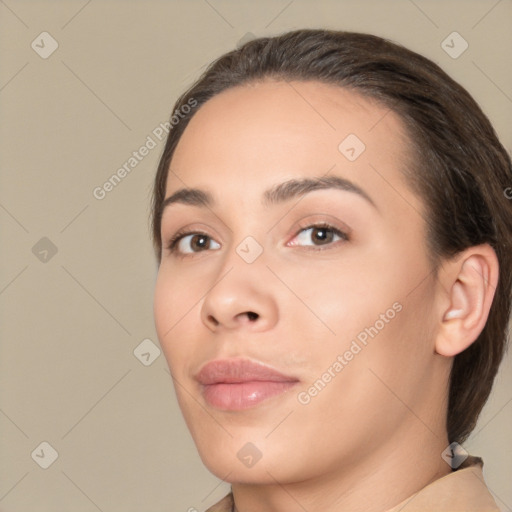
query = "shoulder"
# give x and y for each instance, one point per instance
(226, 504)
(462, 490)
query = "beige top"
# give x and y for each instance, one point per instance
(463, 490)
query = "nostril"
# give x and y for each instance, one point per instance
(251, 315)
(212, 319)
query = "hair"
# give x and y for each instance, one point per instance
(460, 170)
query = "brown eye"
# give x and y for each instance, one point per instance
(320, 235)
(189, 243)
(198, 242)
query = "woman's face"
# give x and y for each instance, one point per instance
(325, 282)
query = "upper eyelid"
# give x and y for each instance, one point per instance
(322, 219)
(312, 220)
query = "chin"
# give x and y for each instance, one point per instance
(241, 458)
(258, 462)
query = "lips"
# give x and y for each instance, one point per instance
(239, 384)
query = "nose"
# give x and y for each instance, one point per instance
(240, 299)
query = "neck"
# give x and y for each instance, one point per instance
(377, 482)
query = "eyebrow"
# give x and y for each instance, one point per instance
(275, 195)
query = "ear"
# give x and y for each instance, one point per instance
(469, 282)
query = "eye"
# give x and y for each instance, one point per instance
(183, 243)
(318, 235)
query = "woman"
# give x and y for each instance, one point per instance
(334, 276)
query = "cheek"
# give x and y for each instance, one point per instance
(376, 300)
(163, 305)
(172, 307)
(342, 297)
(389, 350)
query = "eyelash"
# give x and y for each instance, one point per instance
(174, 241)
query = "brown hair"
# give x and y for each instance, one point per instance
(461, 170)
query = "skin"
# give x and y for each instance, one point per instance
(381, 420)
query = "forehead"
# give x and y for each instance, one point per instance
(251, 136)
(307, 107)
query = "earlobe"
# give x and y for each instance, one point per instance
(471, 283)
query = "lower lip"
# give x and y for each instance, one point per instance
(243, 395)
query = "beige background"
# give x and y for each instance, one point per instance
(70, 324)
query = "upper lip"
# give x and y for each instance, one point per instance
(239, 370)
